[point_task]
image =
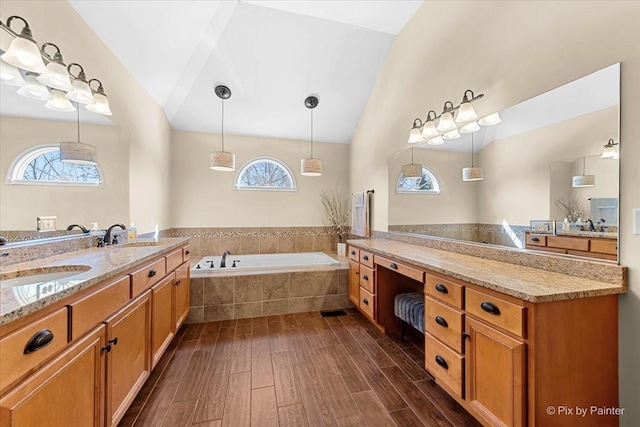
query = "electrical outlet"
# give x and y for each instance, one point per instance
(46, 223)
(636, 221)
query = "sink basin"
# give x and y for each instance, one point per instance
(41, 275)
(140, 243)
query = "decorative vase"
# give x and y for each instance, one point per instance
(342, 249)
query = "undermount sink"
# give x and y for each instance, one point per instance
(41, 275)
(140, 243)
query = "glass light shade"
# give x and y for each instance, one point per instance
(609, 153)
(78, 153)
(584, 181)
(10, 75)
(56, 76)
(429, 130)
(222, 161)
(466, 113)
(24, 54)
(80, 92)
(470, 127)
(33, 89)
(490, 120)
(453, 134)
(472, 174)
(311, 167)
(415, 136)
(436, 141)
(446, 123)
(412, 171)
(101, 106)
(59, 102)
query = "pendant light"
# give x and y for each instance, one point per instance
(222, 160)
(429, 129)
(77, 152)
(311, 166)
(101, 104)
(610, 151)
(59, 102)
(466, 111)
(56, 75)
(446, 122)
(80, 91)
(415, 135)
(413, 170)
(473, 173)
(580, 181)
(23, 51)
(10, 75)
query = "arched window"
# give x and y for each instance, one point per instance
(427, 184)
(41, 165)
(265, 174)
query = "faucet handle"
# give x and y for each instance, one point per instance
(114, 241)
(99, 242)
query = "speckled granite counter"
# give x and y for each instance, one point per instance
(526, 283)
(17, 301)
(598, 234)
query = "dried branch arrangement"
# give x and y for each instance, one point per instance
(337, 210)
(571, 208)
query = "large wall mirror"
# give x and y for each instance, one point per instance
(529, 161)
(29, 139)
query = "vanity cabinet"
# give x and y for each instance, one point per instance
(591, 247)
(354, 282)
(162, 320)
(362, 291)
(181, 293)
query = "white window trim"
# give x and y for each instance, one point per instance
(435, 180)
(20, 162)
(280, 163)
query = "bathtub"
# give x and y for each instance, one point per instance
(211, 264)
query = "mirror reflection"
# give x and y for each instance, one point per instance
(537, 165)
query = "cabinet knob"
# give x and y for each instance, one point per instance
(441, 288)
(177, 283)
(365, 257)
(442, 321)
(106, 348)
(365, 301)
(187, 252)
(113, 341)
(466, 336)
(490, 307)
(152, 273)
(440, 361)
(353, 252)
(393, 265)
(39, 340)
(365, 277)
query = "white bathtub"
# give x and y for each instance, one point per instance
(260, 262)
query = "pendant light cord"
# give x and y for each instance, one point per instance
(78, 120)
(411, 155)
(222, 100)
(312, 133)
(471, 149)
(584, 165)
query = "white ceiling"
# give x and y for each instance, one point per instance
(271, 54)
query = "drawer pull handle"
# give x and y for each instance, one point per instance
(106, 348)
(365, 257)
(365, 277)
(490, 307)
(441, 288)
(442, 321)
(440, 361)
(39, 340)
(353, 252)
(177, 283)
(366, 301)
(535, 239)
(152, 273)
(466, 336)
(113, 341)
(393, 265)
(187, 252)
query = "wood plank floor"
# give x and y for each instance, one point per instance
(292, 370)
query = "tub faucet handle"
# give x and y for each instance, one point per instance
(234, 263)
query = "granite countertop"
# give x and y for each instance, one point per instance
(17, 300)
(526, 283)
(598, 234)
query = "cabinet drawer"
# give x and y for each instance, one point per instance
(366, 258)
(367, 279)
(536, 239)
(444, 364)
(354, 254)
(444, 290)
(501, 313)
(593, 255)
(147, 276)
(367, 303)
(574, 243)
(14, 364)
(186, 253)
(174, 259)
(607, 246)
(405, 270)
(91, 310)
(444, 323)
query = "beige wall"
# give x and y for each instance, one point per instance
(21, 204)
(133, 108)
(511, 52)
(205, 198)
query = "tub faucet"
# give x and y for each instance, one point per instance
(107, 235)
(223, 261)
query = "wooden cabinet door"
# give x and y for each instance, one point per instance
(181, 292)
(65, 392)
(161, 317)
(354, 282)
(129, 355)
(495, 375)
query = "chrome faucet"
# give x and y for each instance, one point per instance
(80, 226)
(223, 262)
(591, 227)
(106, 240)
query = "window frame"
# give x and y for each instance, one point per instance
(19, 164)
(279, 163)
(437, 187)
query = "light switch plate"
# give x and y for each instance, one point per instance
(636, 221)
(46, 223)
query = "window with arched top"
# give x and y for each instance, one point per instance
(41, 165)
(265, 173)
(426, 184)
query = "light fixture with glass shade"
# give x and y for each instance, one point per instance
(23, 51)
(10, 75)
(436, 141)
(80, 91)
(470, 127)
(56, 75)
(415, 135)
(33, 89)
(59, 102)
(465, 110)
(77, 152)
(222, 160)
(311, 166)
(413, 170)
(452, 134)
(610, 151)
(584, 180)
(429, 128)
(472, 173)
(446, 122)
(490, 120)
(101, 104)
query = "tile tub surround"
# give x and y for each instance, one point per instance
(241, 295)
(528, 284)
(104, 262)
(601, 271)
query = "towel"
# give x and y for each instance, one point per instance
(360, 214)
